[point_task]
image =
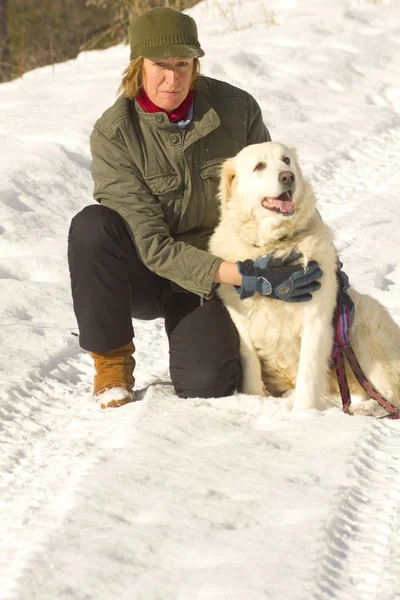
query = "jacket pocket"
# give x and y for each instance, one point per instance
(166, 188)
(211, 169)
(162, 183)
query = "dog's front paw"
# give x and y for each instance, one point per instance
(302, 403)
(290, 394)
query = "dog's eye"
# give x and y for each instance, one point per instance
(260, 166)
(286, 160)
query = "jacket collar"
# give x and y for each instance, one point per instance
(205, 118)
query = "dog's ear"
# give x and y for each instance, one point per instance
(228, 177)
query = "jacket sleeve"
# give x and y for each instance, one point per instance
(257, 131)
(119, 185)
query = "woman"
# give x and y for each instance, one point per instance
(142, 253)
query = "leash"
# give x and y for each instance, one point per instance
(343, 317)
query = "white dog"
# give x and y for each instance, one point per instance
(268, 207)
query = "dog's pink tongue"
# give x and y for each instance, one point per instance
(285, 206)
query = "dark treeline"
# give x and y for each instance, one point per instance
(34, 33)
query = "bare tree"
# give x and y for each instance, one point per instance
(4, 43)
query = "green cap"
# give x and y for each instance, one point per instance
(164, 33)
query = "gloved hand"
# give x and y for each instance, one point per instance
(275, 278)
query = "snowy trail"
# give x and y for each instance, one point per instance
(211, 540)
(160, 533)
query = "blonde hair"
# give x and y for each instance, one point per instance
(132, 81)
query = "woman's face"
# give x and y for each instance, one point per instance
(167, 81)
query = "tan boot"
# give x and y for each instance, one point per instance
(114, 381)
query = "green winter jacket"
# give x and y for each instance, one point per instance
(164, 181)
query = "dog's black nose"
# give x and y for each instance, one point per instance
(286, 177)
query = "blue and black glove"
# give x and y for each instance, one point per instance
(275, 278)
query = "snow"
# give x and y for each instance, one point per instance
(218, 499)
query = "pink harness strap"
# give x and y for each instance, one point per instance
(342, 349)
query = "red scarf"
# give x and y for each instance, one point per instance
(178, 114)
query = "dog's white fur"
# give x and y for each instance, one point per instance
(287, 345)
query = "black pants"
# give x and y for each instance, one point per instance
(110, 285)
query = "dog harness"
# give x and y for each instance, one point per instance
(342, 320)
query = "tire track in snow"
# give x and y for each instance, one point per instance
(362, 554)
(31, 408)
(45, 452)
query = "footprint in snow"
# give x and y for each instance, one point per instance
(382, 280)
